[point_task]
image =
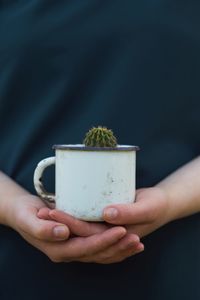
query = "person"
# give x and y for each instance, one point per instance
(68, 65)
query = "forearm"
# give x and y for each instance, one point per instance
(9, 191)
(183, 189)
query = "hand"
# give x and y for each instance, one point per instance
(24, 219)
(146, 214)
(88, 233)
(40, 233)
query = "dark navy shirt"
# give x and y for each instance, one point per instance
(133, 66)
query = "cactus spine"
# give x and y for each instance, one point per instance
(100, 137)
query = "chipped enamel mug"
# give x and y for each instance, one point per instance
(89, 178)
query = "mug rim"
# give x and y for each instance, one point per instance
(82, 147)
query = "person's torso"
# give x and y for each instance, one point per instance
(131, 66)
(66, 66)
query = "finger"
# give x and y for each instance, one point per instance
(43, 213)
(127, 244)
(130, 252)
(143, 229)
(47, 230)
(138, 212)
(79, 247)
(77, 227)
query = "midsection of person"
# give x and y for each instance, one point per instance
(68, 65)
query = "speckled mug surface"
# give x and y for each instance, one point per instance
(89, 178)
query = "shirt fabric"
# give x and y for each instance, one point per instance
(133, 66)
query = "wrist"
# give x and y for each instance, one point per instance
(166, 212)
(179, 204)
(183, 190)
(170, 212)
(9, 192)
(8, 208)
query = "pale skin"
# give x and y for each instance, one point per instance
(175, 197)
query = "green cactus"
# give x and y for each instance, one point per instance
(100, 137)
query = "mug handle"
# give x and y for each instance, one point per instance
(49, 198)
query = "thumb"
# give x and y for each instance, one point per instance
(47, 230)
(76, 226)
(132, 213)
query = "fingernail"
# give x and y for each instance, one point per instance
(111, 213)
(136, 240)
(140, 247)
(60, 231)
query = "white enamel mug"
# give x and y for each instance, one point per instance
(89, 178)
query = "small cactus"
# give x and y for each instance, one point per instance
(100, 137)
